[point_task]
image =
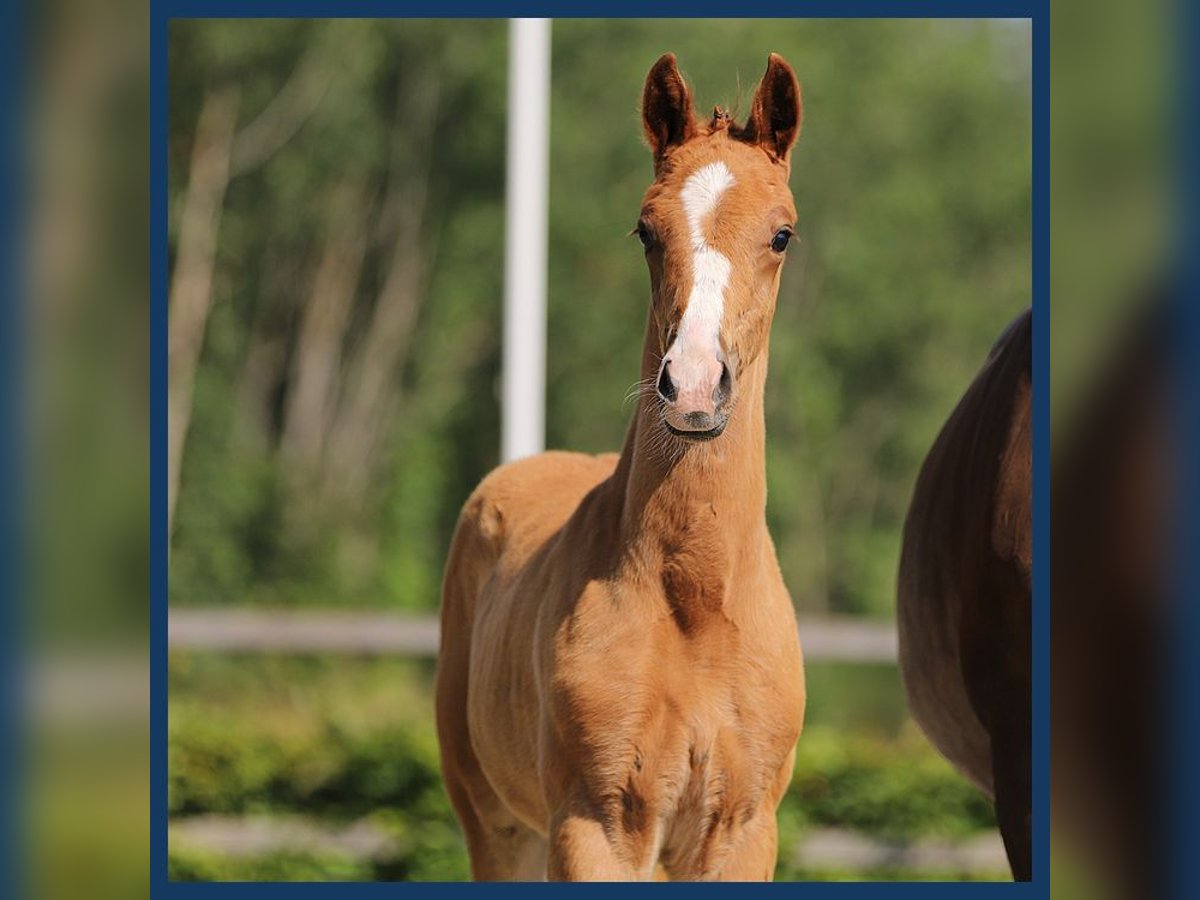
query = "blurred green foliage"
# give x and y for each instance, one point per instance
(912, 177)
(1112, 189)
(346, 741)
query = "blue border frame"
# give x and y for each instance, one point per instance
(14, 83)
(1035, 10)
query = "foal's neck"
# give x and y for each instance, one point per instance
(677, 494)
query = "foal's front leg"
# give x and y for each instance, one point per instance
(754, 857)
(756, 851)
(591, 842)
(580, 850)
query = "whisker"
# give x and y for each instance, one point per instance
(664, 445)
(643, 388)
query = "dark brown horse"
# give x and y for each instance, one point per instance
(964, 589)
(1114, 481)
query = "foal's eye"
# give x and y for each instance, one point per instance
(644, 235)
(780, 241)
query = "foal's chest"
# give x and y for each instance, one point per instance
(685, 737)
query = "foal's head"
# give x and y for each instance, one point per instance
(715, 225)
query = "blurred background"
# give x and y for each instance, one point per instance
(81, 632)
(337, 254)
(290, 737)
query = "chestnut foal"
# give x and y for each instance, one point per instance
(620, 685)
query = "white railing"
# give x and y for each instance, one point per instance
(380, 633)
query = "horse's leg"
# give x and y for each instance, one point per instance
(1014, 792)
(581, 850)
(996, 667)
(501, 847)
(756, 853)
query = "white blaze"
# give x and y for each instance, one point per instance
(701, 324)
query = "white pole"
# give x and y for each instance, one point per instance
(524, 363)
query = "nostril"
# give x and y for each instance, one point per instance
(724, 386)
(666, 387)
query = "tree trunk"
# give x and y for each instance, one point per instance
(372, 384)
(191, 284)
(316, 360)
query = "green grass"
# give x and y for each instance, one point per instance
(342, 739)
(190, 865)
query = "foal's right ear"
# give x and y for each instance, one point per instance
(667, 114)
(775, 115)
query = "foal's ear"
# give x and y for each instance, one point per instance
(775, 116)
(667, 114)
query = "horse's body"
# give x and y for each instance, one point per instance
(1113, 490)
(964, 589)
(620, 685)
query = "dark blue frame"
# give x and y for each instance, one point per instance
(1035, 10)
(1183, 675)
(14, 658)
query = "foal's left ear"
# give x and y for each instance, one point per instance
(775, 116)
